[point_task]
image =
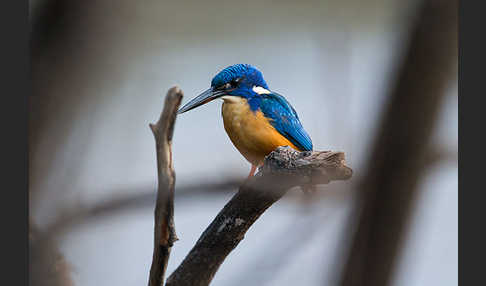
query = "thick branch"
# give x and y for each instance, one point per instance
(164, 233)
(284, 168)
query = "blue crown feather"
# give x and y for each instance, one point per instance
(249, 72)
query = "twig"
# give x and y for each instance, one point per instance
(397, 161)
(164, 233)
(284, 168)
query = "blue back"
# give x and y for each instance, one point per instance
(284, 119)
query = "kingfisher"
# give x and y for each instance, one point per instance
(256, 119)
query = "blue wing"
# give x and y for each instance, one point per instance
(285, 120)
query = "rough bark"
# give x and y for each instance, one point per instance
(283, 169)
(164, 233)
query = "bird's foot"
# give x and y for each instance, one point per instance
(252, 171)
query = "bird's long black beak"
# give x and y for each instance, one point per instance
(201, 99)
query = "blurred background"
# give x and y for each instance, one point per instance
(100, 70)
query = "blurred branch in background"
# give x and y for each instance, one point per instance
(47, 263)
(53, 26)
(143, 197)
(283, 169)
(387, 192)
(438, 154)
(47, 266)
(50, 25)
(139, 199)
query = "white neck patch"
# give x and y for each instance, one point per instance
(232, 99)
(260, 90)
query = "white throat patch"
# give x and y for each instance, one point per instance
(260, 90)
(232, 99)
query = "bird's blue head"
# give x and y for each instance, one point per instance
(237, 80)
(239, 76)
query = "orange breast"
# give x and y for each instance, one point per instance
(251, 133)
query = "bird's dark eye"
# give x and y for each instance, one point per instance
(232, 84)
(235, 82)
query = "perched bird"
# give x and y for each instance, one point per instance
(256, 119)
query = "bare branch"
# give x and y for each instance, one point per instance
(164, 233)
(284, 168)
